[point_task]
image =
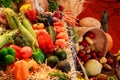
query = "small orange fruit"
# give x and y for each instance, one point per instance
(109, 42)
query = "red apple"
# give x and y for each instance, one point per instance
(57, 14)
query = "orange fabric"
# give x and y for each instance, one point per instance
(94, 9)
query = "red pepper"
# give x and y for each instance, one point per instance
(31, 15)
(46, 43)
(17, 49)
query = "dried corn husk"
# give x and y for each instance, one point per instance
(76, 6)
(100, 40)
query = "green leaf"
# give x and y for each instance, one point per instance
(53, 5)
(17, 1)
(104, 21)
(6, 3)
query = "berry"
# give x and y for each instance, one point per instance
(81, 54)
(99, 54)
(86, 57)
(91, 35)
(110, 61)
(84, 43)
(93, 54)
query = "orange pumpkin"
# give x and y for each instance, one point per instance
(109, 42)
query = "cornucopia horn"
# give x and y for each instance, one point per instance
(100, 40)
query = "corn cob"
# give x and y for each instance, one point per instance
(4, 40)
(10, 20)
(7, 38)
(9, 11)
(26, 33)
(26, 23)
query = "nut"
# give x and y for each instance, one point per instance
(89, 40)
(87, 49)
(80, 39)
(92, 46)
(103, 60)
(107, 66)
(81, 47)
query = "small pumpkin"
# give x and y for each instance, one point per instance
(109, 41)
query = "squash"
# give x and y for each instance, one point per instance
(93, 67)
(89, 22)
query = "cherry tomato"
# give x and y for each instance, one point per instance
(26, 52)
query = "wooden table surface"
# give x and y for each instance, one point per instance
(94, 8)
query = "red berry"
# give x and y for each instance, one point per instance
(91, 35)
(99, 54)
(110, 61)
(84, 43)
(61, 8)
(93, 54)
(86, 57)
(81, 54)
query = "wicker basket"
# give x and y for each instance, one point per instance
(100, 39)
(76, 6)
